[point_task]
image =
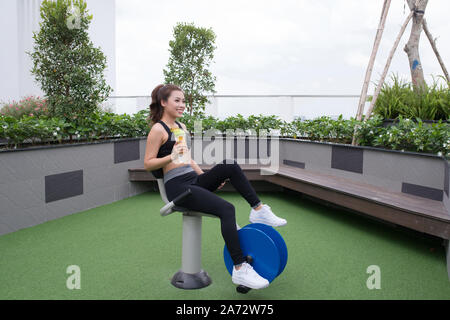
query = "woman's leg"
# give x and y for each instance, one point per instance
(229, 169)
(203, 200)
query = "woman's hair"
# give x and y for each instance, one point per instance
(161, 92)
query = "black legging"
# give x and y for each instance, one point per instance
(204, 200)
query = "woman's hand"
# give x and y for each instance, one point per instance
(179, 149)
(223, 183)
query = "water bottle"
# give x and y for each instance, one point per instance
(180, 137)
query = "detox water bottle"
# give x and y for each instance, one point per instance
(180, 137)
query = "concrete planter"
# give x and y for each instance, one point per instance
(39, 184)
(43, 183)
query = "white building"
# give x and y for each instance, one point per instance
(18, 20)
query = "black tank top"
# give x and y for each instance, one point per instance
(165, 149)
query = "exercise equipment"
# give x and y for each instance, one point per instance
(264, 249)
(191, 275)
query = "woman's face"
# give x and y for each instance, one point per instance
(175, 105)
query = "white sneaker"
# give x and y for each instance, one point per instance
(266, 216)
(248, 277)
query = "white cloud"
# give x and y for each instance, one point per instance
(282, 47)
(360, 60)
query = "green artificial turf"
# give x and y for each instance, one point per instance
(126, 250)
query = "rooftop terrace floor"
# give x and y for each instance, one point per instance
(126, 250)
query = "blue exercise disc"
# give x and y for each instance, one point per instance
(277, 238)
(263, 250)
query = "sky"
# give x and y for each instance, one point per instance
(275, 47)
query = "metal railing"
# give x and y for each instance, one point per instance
(286, 107)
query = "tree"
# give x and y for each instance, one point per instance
(412, 47)
(191, 53)
(363, 96)
(65, 62)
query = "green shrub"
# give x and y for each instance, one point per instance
(407, 135)
(31, 128)
(189, 120)
(368, 130)
(66, 64)
(397, 99)
(325, 128)
(268, 123)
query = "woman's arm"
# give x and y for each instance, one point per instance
(157, 163)
(154, 141)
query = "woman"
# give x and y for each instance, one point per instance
(167, 105)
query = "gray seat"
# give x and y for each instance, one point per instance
(171, 207)
(191, 275)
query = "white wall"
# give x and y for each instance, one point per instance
(9, 58)
(27, 21)
(102, 32)
(18, 20)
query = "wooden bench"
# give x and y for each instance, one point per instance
(421, 214)
(252, 172)
(413, 212)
